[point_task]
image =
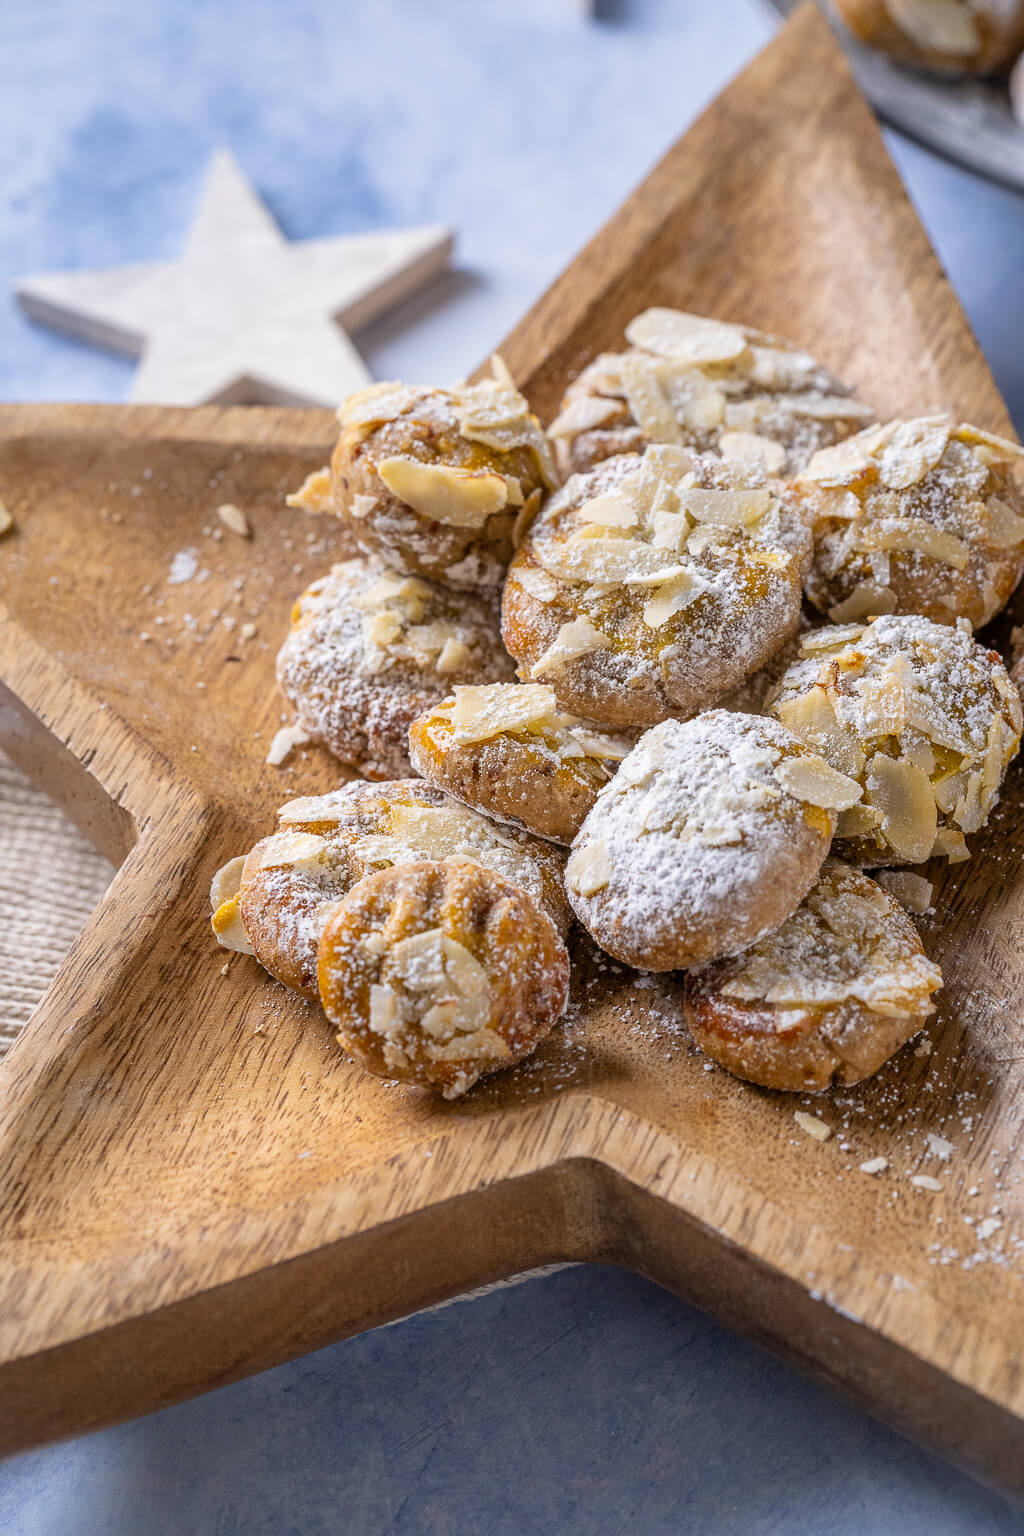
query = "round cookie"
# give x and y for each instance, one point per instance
(711, 833)
(654, 585)
(828, 996)
(436, 974)
(703, 384)
(915, 517)
(924, 718)
(958, 37)
(326, 843)
(506, 750)
(370, 649)
(439, 482)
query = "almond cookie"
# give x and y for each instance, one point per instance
(711, 833)
(326, 843)
(506, 749)
(435, 974)
(915, 517)
(827, 997)
(954, 37)
(438, 482)
(704, 384)
(370, 649)
(654, 585)
(924, 718)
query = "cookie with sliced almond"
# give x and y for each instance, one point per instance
(710, 834)
(275, 901)
(827, 997)
(916, 516)
(438, 482)
(697, 382)
(438, 973)
(951, 37)
(371, 648)
(508, 750)
(925, 720)
(654, 585)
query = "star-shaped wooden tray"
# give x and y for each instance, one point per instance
(195, 1184)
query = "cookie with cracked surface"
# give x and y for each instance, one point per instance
(922, 716)
(705, 384)
(915, 517)
(437, 973)
(507, 750)
(370, 649)
(711, 833)
(440, 482)
(326, 843)
(655, 585)
(827, 997)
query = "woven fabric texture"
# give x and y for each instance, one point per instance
(50, 881)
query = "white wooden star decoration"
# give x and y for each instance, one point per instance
(244, 317)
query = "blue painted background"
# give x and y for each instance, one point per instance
(588, 1401)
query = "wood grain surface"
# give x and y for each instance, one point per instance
(194, 1183)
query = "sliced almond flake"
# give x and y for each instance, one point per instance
(912, 891)
(991, 449)
(921, 538)
(285, 741)
(939, 1147)
(866, 601)
(647, 403)
(362, 505)
(589, 868)
(481, 1044)
(673, 597)
(925, 1181)
(843, 463)
(292, 850)
(693, 339)
(226, 882)
(903, 795)
(1006, 528)
(811, 1125)
(418, 960)
(669, 530)
(940, 26)
(536, 583)
(455, 656)
(751, 447)
(950, 844)
(515, 490)
(582, 415)
(384, 401)
(875, 1165)
(234, 519)
(572, 641)
(491, 709)
(382, 628)
(859, 821)
(831, 639)
(314, 495)
(730, 509)
(812, 716)
(466, 974)
(912, 451)
(612, 510)
(603, 560)
(461, 498)
(228, 927)
(696, 402)
(600, 744)
(384, 1017)
(812, 779)
(527, 513)
(825, 407)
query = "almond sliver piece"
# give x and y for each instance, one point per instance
(572, 641)
(686, 338)
(941, 26)
(462, 498)
(814, 780)
(481, 713)
(589, 868)
(903, 795)
(583, 415)
(914, 449)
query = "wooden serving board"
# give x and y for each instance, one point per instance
(195, 1183)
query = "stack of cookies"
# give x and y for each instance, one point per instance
(578, 673)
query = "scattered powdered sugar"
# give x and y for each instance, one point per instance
(183, 567)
